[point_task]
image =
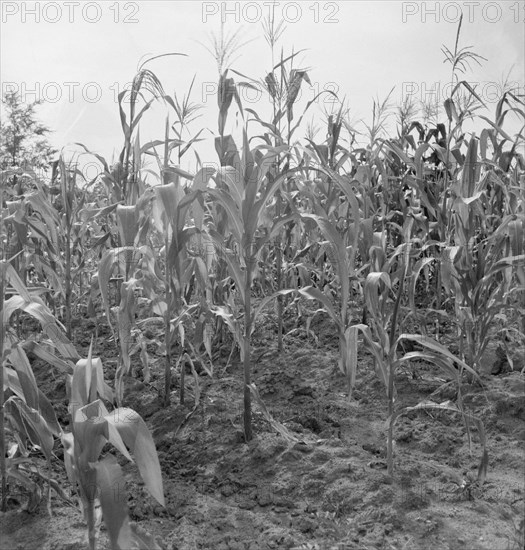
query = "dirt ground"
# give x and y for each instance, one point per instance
(327, 488)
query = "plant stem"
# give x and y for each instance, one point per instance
(182, 362)
(390, 438)
(2, 432)
(247, 366)
(89, 507)
(391, 368)
(68, 275)
(279, 268)
(167, 335)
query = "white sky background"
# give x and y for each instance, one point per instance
(359, 49)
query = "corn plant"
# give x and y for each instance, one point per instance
(29, 414)
(222, 48)
(71, 231)
(31, 421)
(123, 180)
(382, 338)
(133, 225)
(186, 112)
(171, 210)
(434, 191)
(136, 262)
(143, 279)
(101, 481)
(341, 249)
(33, 240)
(283, 86)
(243, 192)
(145, 81)
(482, 263)
(459, 59)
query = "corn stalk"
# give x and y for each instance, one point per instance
(97, 480)
(243, 193)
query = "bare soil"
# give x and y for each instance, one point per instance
(327, 488)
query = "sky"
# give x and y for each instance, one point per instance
(77, 56)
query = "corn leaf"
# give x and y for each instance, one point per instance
(373, 291)
(432, 345)
(232, 210)
(45, 354)
(312, 293)
(26, 378)
(443, 363)
(421, 264)
(14, 280)
(30, 423)
(341, 259)
(111, 483)
(37, 309)
(137, 438)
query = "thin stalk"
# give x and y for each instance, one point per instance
(390, 434)
(168, 273)
(89, 513)
(3, 474)
(247, 351)
(279, 268)
(167, 336)
(182, 378)
(391, 374)
(444, 217)
(68, 275)
(87, 485)
(278, 253)
(3, 469)
(438, 289)
(391, 371)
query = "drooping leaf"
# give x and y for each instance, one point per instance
(20, 363)
(445, 364)
(137, 438)
(40, 350)
(31, 423)
(431, 344)
(12, 277)
(37, 309)
(313, 293)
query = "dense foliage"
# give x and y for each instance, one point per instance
(390, 239)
